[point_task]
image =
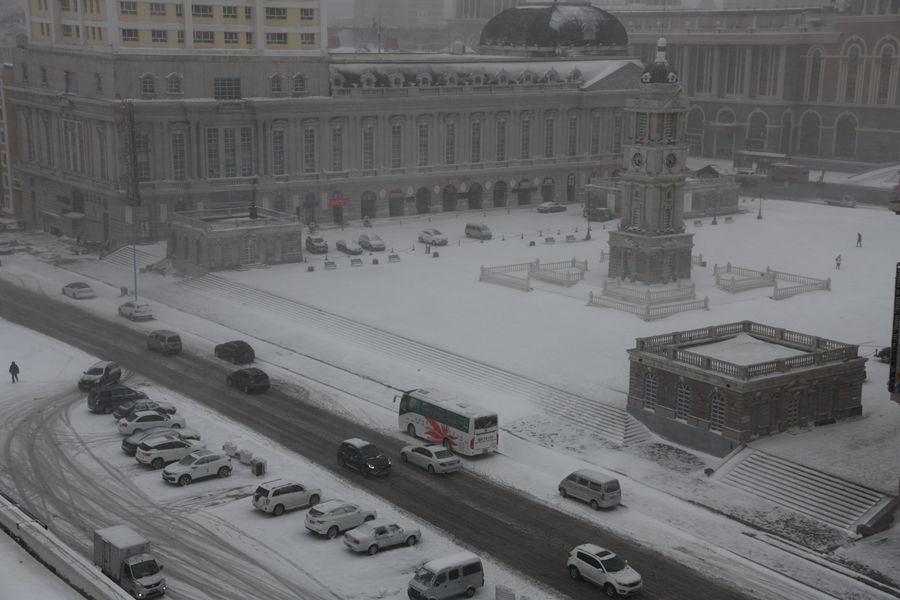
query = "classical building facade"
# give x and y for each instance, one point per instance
(143, 122)
(716, 387)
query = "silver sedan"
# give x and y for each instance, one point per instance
(379, 534)
(433, 458)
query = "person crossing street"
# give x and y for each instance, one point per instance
(14, 371)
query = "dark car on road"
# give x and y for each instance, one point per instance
(248, 380)
(237, 352)
(551, 207)
(363, 456)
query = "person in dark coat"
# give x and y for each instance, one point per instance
(14, 371)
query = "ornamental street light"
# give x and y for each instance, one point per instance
(759, 215)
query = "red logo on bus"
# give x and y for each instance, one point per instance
(438, 432)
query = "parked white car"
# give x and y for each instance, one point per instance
(136, 310)
(380, 534)
(147, 419)
(279, 495)
(78, 290)
(160, 451)
(431, 457)
(197, 465)
(604, 569)
(334, 516)
(433, 237)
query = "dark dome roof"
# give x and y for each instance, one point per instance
(660, 70)
(554, 24)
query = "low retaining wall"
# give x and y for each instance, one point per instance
(68, 565)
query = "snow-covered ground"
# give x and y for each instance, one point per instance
(548, 334)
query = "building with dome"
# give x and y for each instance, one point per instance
(118, 137)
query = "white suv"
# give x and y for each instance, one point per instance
(280, 495)
(604, 569)
(160, 451)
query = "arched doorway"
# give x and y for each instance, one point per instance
(523, 192)
(500, 193)
(367, 204)
(448, 200)
(810, 126)
(548, 190)
(423, 201)
(395, 202)
(845, 137)
(757, 129)
(475, 196)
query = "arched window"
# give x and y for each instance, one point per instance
(683, 401)
(275, 84)
(299, 84)
(852, 74)
(716, 412)
(397, 80)
(173, 84)
(845, 137)
(808, 144)
(815, 75)
(423, 80)
(148, 85)
(367, 80)
(757, 129)
(650, 387)
(885, 72)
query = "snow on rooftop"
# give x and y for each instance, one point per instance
(744, 349)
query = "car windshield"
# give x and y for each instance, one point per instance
(369, 451)
(443, 454)
(144, 569)
(613, 564)
(94, 371)
(188, 460)
(424, 576)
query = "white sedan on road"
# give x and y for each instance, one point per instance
(147, 419)
(431, 457)
(78, 290)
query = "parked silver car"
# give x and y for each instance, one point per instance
(131, 443)
(160, 451)
(334, 516)
(197, 465)
(380, 534)
(433, 458)
(432, 236)
(78, 290)
(279, 495)
(147, 419)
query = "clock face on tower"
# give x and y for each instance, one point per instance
(671, 160)
(637, 159)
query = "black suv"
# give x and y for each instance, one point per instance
(107, 398)
(249, 380)
(237, 352)
(363, 456)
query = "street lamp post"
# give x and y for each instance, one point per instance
(715, 211)
(587, 236)
(759, 215)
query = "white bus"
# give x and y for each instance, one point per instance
(444, 420)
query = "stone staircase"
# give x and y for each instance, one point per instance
(125, 257)
(813, 493)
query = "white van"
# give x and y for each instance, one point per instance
(596, 488)
(447, 577)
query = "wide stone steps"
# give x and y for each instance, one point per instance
(126, 257)
(830, 499)
(606, 421)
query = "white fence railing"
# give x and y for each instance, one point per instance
(642, 295)
(747, 279)
(501, 278)
(647, 312)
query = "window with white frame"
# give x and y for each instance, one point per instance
(885, 74)
(424, 138)
(179, 156)
(128, 7)
(129, 35)
(501, 140)
(148, 84)
(572, 137)
(307, 39)
(337, 148)
(769, 60)
(202, 10)
(248, 12)
(157, 9)
(525, 139)
(734, 70)
(159, 36)
(650, 388)
(276, 38)
(181, 36)
(67, 30)
(227, 88)
(249, 38)
(275, 84)
(307, 14)
(173, 84)
(815, 75)
(212, 153)
(229, 12)
(396, 146)
(276, 14)
(549, 134)
(596, 123)
(278, 162)
(683, 401)
(716, 412)
(142, 155)
(299, 84)
(450, 143)
(231, 37)
(309, 150)
(246, 152)
(204, 37)
(476, 142)
(368, 148)
(229, 152)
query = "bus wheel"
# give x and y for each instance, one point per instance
(448, 444)
(411, 430)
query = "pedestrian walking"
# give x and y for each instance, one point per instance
(14, 371)
(837, 262)
(859, 240)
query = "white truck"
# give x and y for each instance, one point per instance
(124, 556)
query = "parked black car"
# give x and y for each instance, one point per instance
(363, 456)
(236, 351)
(249, 380)
(107, 398)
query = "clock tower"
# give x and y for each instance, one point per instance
(650, 245)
